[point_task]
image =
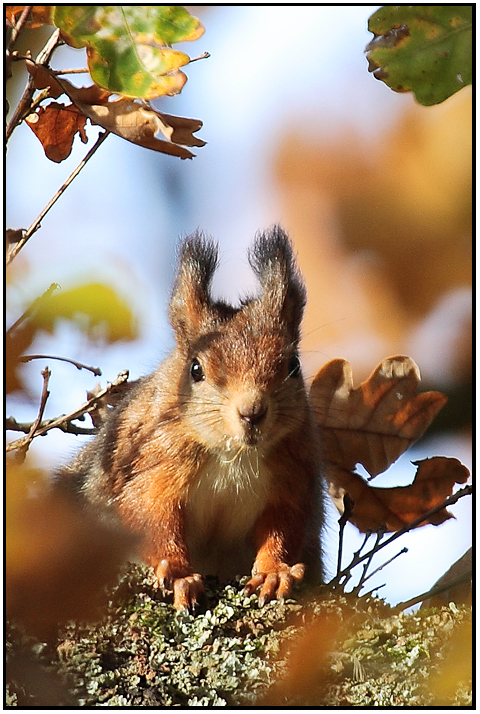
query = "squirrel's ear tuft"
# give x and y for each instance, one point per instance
(283, 290)
(191, 304)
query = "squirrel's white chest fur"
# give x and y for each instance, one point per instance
(227, 497)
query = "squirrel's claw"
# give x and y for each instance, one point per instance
(276, 584)
(186, 586)
(186, 592)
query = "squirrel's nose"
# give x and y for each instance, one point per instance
(252, 413)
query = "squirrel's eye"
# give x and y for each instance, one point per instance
(294, 366)
(196, 371)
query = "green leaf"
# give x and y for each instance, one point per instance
(128, 46)
(426, 49)
(94, 307)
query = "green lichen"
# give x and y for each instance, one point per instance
(232, 653)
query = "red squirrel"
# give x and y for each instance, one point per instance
(212, 460)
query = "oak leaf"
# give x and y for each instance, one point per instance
(129, 47)
(136, 122)
(373, 425)
(56, 126)
(426, 49)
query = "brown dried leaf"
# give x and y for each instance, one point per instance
(16, 343)
(458, 592)
(138, 123)
(307, 661)
(58, 557)
(373, 425)
(376, 422)
(396, 507)
(43, 78)
(55, 126)
(13, 235)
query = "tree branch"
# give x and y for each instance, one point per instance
(18, 27)
(11, 424)
(23, 444)
(79, 365)
(59, 422)
(357, 558)
(16, 248)
(436, 590)
(24, 106)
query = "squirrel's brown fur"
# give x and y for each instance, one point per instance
(213, 459)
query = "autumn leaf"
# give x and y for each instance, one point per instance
(44, 78)
(373, 425)
(19, 337)
(128, 46)
(58, 557)
(426, 49)
(136, 122)
(376, 422)
(56, 126)
(16, 343)
(307, 660)
(394, 508)
(140, 124)
(95, 307)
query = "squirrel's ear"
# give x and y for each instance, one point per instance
(190, 304)
(283, 290)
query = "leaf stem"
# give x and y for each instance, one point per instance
(37, 222)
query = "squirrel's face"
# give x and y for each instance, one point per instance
(243, 390)
(240, 380)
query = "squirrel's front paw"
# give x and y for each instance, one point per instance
(276, 582)
(186, 586)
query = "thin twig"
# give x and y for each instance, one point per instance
(384, 565)
(27, 440)
(348, 505)
(344, 575)
(357, 558)
(436, 590)
(79, 70)
(41, 96)
(369, 592)
(18, 27)
(37, 222)
(24, 105)
(379, 535)
(77, 413)
(11, 424)
(79, 365)
(22, 108)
